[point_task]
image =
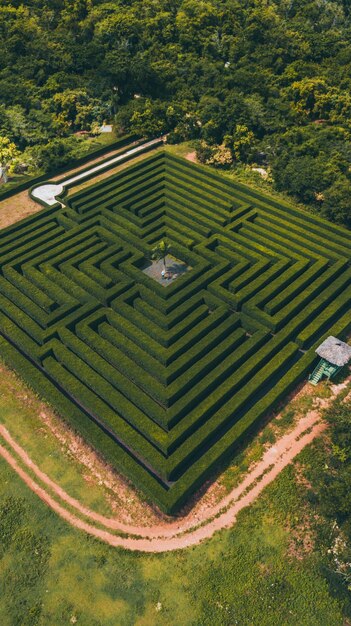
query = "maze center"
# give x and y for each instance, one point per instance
(165, 382)
(166, 272)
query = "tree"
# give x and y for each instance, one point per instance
(270, 78)
(218, 155)
(305, 95)
(8, 152)
(73, 110)
(243, 140)
(53, 154)
(305, 177)
(149, 120)
(337, 202)
(196, 22)
(203, 151)
(160, 251)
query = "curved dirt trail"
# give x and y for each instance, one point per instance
(174, 536)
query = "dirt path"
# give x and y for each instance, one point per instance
(176, 535)
(156, 539)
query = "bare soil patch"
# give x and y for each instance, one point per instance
(191, 156)
(17, 208)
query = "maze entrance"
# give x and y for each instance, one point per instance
(165, 382)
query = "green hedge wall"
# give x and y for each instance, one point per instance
(165, 378)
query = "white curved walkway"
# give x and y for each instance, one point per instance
(48, 193)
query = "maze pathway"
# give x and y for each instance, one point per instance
(164, 381)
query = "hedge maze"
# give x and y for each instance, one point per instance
(164, 382)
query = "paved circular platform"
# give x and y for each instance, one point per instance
(47, 193)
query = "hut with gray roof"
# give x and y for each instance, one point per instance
(334, 354)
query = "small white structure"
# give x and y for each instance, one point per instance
(261, 171)
(106, 128)
(335, 351)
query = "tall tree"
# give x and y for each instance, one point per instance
(160, 251)
(8, 152)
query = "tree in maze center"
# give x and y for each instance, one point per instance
(160, 251)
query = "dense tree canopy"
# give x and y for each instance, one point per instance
(268, 81)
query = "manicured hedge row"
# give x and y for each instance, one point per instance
(206, 464)
(167, 322)
(275, 287)
(202, 184)
(313, 296)
(27, 232)
(169, 499)
(121, 430)
(260, 199)
(24, 338)
(204, 208)
(230, 411)
(186, 410)
(108, 186)
(120, 193)
(109, 385)
(225, 446)
(125, 365)
(178, 338)
(331, 310)
(182, 209)
(165, 380)
(27, 251)
(258, 236)
(50, 288)
(118, 455)
(20, 282)
(295, 237)
(288, 292)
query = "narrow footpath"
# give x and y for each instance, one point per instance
(176, 535)
(48, 192)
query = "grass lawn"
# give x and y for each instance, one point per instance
(261, 572)
(271, 568)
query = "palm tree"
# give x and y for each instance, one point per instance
(160, 251)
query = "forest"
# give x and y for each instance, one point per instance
(254, 82)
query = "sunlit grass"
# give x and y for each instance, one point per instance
(244, 575)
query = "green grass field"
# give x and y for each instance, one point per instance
(271, 568)
(258, 573)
